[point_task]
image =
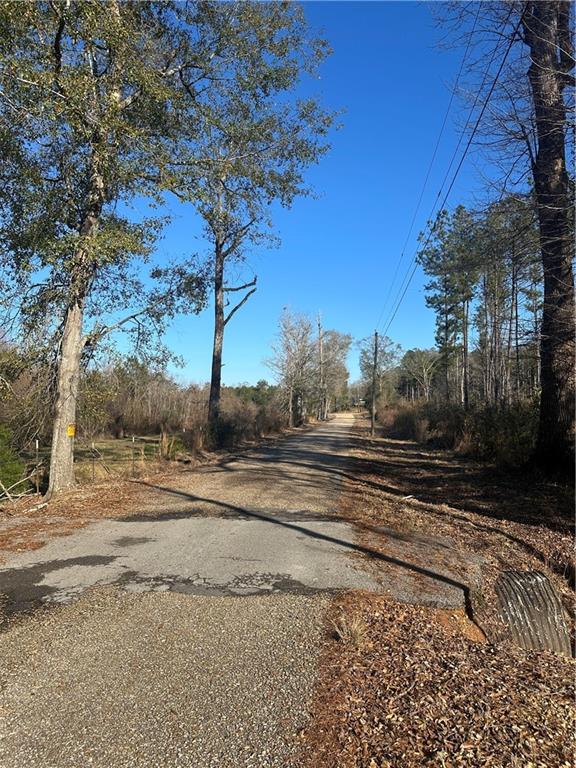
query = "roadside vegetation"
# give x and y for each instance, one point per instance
(133, 417)
(108, 109)
(227, 136)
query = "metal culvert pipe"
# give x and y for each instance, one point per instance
(531, 608)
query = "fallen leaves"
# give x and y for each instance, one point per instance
(426, 688)
(422, 694)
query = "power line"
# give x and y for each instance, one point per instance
(434, 153)
(414, 265)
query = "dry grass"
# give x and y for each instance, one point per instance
(29, 523)
(349, 629)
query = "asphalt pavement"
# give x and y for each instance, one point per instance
(187, 634)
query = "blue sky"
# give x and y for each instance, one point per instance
(338, 253)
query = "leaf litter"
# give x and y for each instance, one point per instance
(419, 686)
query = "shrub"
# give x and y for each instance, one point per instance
(350, 630)
(12, 468)
(407, 422)
(270, 418)
(500, 433)
(506, 435)
(237, 422)
(242, 419)
(448, 424)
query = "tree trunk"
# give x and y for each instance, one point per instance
(119, 431)
(537, 341)
(426, 388)
(547, 33)
(72, 342)
(508, 361)
(485, 345)
(516, 341)
(465, 361)
(291, 407)
(62, 453)
(71, 347)
(446, 354)
(374, 374)
(459, 379)
(216, 378)
(496, 342)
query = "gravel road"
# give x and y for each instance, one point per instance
(187, 635)
(160, 680)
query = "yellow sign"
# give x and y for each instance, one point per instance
(71, 430)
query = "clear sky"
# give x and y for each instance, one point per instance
(339, 253)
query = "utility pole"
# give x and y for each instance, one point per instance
(321, 411)
(374, 379)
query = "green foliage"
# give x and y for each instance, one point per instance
(484, 288)
(96, 393)
(97, 89)
(12, 468)
(503, 435)
(448, 257)
(260, 394)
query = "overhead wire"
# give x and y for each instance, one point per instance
(434, 153)
(414, 264)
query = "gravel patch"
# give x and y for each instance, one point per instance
(160, 679)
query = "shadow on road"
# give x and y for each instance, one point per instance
(243, 513)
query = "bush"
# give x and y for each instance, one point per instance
(270, 419)
(448, 425)
(237, 422)
(193, 438)
(12, 468)
(506, 435)
(407, 422)
(503, 434)
(241, 420)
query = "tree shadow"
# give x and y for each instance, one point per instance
(285, 522)
(473, 487)
(415, 471)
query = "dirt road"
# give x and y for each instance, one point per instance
(198, 646)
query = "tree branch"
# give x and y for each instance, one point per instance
(237, 307)
(98, 333)
(236, 237)
(228, 289)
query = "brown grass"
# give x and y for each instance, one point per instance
(349, 629)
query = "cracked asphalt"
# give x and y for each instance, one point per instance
(186, 635)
